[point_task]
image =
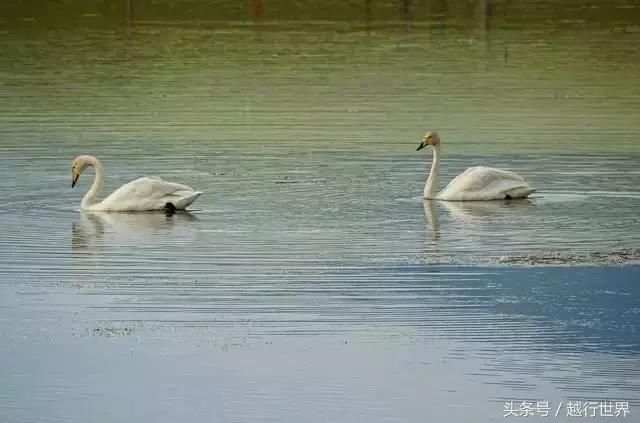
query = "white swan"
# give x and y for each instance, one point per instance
(143, 194)
(474, 184)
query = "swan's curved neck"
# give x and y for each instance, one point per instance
(432, 182)
(91, 196)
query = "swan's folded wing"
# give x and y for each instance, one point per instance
(147, 193)
(484, 173)
(479, 177)
(484, 183)
(157, 188)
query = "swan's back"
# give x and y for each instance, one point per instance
(486, 183)
(149, 193)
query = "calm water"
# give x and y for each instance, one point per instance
(311, 281)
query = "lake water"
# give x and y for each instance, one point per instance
(311, 281)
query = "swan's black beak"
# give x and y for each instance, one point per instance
(74, 179)
(421, 146)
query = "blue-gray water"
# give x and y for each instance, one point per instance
(311, 281)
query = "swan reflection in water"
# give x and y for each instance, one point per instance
(471, 226)
(477, 212)
(89, 232)
(432, 218)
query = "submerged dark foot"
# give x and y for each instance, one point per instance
(169, 209)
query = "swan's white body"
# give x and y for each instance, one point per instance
(474, 184)
(143, 194)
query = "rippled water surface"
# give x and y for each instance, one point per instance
(311, 281)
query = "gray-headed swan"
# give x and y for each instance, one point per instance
(143, 194)
(474, 184)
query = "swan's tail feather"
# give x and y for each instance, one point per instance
(186, 201)
(521, 192)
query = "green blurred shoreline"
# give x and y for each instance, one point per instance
(516, 13)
